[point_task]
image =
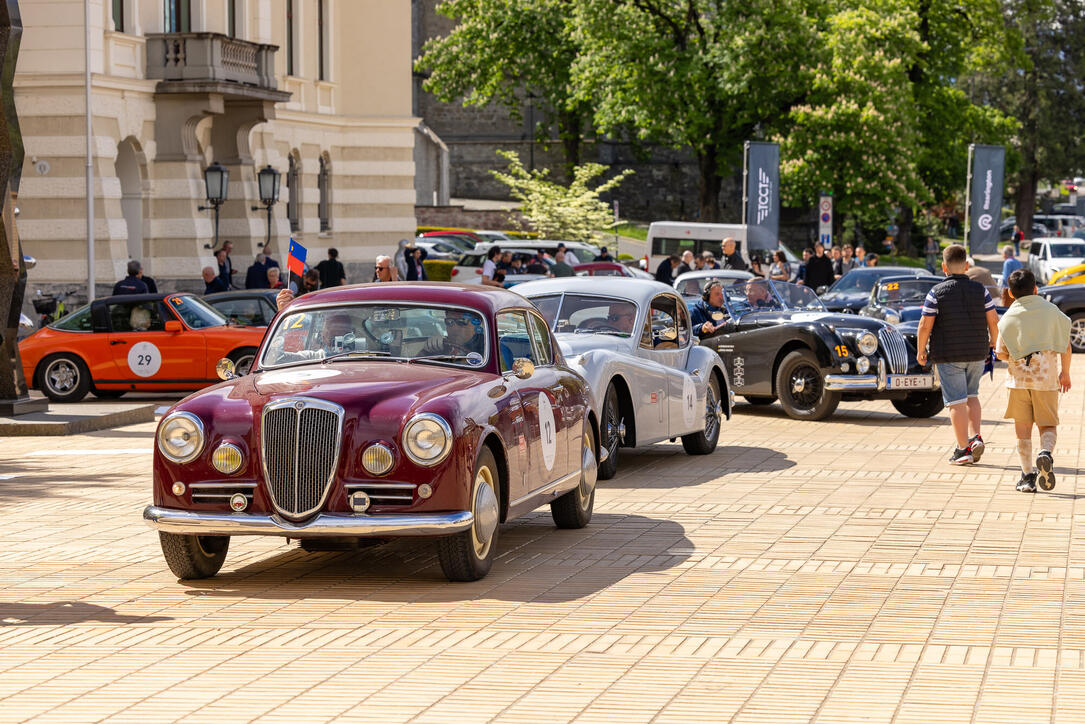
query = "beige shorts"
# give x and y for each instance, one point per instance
(1034, 406)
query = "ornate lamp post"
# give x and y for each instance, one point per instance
(216, 179)
(268, 181)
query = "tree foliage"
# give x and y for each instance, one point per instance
(570, 213)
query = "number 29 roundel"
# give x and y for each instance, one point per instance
(547, 431)
(144, 359)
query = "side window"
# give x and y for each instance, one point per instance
(136, 317)
(683, 324)
(663, 321)
(513, 339)
(79, 321)
(548, 307)
(540, 335)
(249, 312)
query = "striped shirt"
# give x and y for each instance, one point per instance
(930, 304)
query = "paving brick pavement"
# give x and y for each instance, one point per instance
(831, 572)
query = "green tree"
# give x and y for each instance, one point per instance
(699, 74)
(505, 50)
(570, 213)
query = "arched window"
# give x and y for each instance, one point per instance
(293, 193)
(323, 183)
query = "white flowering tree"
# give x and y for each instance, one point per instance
(569, 213)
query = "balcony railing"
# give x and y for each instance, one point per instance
(210, 57)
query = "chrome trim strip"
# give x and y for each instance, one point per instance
(220, 486)
(387, 486)
(185, 522)
(550, 489)
(219, 496)
(877, 383)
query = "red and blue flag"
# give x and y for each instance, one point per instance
(295, 258)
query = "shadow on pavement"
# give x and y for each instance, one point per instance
(535, 562)
(844, 416)
(20, 481)
(65, 612)
(660, 466)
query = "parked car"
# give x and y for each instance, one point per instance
(440, 248)
(247, 307)
(134, 342)
(469, 239)
(778, 341)
(1005, 229)
(1070, 275)
(851, 292)
(691, 284)
(1070, 298)
(1059, 225)
(899, 299)
(610, 269)
(463, 243)
(631, 339)
(410, 409)
(469, 269)
(1050, 255)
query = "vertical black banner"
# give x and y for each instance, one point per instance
(985, 202)
(762, 210)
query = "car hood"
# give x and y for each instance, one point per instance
(1058, 264)
(845, 299)
(850, 321)
(577, 344)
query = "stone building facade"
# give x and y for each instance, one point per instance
(319, 89)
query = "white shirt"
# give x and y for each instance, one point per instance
(571, 258)
(489, 268)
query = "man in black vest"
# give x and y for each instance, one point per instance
(960, 321)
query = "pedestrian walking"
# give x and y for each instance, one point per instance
(819, 269)
(1034, 340)
(489, 268)
(1018, 237)
(930, 249)
(212, 282)
(332, 273)
(665, 270)
(960, 323)
(731, 258)
(1010, 264)
(416, 272)
(131, 284)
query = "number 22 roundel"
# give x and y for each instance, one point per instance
(547, 431)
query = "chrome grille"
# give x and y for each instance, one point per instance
(895, 349)
(299, 445)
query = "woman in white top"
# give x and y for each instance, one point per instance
(780, 270)
(489, 268)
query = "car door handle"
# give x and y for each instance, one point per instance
(117, 341)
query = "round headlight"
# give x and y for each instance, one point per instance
(892, 318)
(180, 437)
(227, 458)
(862, 365)
(867, 343)
(377, 459)
(427, 439)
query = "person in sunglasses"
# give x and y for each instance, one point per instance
(463, 335)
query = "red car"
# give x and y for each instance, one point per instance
(379, 411)
(134, 342)
(609, 269)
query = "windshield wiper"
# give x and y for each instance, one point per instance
(357, 352)
(473, 358)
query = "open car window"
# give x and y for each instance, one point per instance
(136, 317)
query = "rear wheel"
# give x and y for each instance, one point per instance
(467, 556)
(64, 378)
(574, 509)
(1077, 332)
(242, 359)
(800, 386)
(194, 556)
(612, 432)
(920, 404)
(704, 442)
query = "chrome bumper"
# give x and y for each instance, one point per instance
(877, 383)
(186, 522)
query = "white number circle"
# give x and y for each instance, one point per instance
(547, 432)
(144, 359)
(689, 401)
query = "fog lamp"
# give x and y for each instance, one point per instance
(845, 366)
(425, 490)
(862, 365)
(178, 488)
(377, 459)
(227, 458)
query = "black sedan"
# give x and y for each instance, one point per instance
(1070, 298)
(245, 307)
(851, 292)
(778, 341)
(898, 299)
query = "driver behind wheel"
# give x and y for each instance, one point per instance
(463, 335)
(758, 295)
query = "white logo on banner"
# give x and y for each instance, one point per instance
(988, 183)
(144, 359)
(764, 195)
(984, 222)
(547, 434)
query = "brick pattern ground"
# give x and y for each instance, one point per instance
(830, 572)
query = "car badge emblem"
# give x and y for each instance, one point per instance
(299, 405)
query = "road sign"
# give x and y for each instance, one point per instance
(825, 221)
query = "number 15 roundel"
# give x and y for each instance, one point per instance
(547, 433)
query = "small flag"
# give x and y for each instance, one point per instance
(295, 258)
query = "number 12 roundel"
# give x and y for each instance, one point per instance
(547, 431)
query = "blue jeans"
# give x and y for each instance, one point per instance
(960, 380)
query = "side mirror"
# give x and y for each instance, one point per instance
(821, 290)
(173, 326)
(225, 368)
(523, 368)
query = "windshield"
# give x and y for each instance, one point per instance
(861, 280)
(196, 313)
(912, 291)
(585, 313)
(759, 295)
(397, 331)
(1067, 250)
(695, 287)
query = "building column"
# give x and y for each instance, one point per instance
(230, 139)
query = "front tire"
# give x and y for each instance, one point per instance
(467, 556)
(800, 387)
(611, 431)
(920, 404)
(64, 378)
(1077, 332)
(574, 509)
(242, 359)
(704, 442)
(194, 556)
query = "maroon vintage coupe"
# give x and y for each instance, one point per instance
(380, 411)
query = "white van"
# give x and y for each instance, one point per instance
(675, 237)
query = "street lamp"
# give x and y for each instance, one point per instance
(268, 181)
(216, 180)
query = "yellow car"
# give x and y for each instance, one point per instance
(1069, 275)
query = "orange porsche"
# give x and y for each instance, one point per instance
(137, 342)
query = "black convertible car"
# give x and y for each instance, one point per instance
(851, 292)
(778, 342)
(1070, 298)
(899, 299)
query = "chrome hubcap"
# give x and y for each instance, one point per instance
(798, 385)
(713, 413)
(62, 376)
(486, 513)
(1077, 332)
